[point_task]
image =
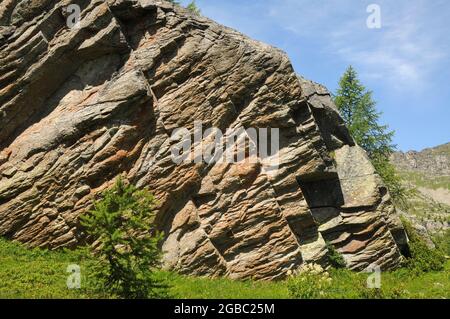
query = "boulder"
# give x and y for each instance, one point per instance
(81, 106)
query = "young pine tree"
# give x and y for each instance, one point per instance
(358, 110)
(122, 223)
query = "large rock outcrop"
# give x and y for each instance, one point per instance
(80, 106)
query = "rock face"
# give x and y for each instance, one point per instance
(428, 172)
(81, 106)
(432, 161)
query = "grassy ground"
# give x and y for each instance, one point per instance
(425, 208)
(421, 206)
(422, 180)
(26, 273)
(34, 273)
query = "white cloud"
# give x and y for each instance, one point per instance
(405, 52)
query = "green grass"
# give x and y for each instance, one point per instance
(426, 208)
(423, 206)
(399, 284)
(36, 273)
(422, 180)
(221, 288)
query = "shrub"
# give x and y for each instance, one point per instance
(442, 242)
(334, 257)
(422, 258)
(311, 283)
(126, 242)
(342, 284)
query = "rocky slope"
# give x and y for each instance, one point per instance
(81, 106)
(434, 162)
(428, 174)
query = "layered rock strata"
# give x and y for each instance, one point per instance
(81, 106)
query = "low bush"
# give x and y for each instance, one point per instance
(422, 258)
(310, 283)
(442, 242)
(343, 284)
(335, 257)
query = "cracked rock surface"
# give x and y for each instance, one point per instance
(81, 106)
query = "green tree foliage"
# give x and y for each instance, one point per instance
(335, 257)
(358, 110)
(442, 242)
(126, 242)
(193, 7)
(422, 259)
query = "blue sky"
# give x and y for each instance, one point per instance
(406, 63)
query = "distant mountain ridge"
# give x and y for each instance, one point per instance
(428, 170)
(428, 173)
(431, 161)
